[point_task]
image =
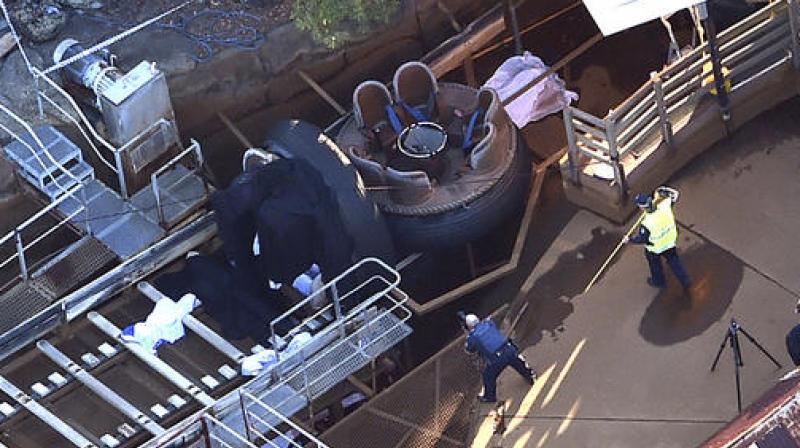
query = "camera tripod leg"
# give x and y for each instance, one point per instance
(763, 350)
(721, 348)
(736, 363)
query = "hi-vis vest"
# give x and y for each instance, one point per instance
(661, 224)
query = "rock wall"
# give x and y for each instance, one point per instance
(244, 83)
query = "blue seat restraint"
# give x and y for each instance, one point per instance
(421, 113)
(414, 112)
(394, 120)
(471, 129)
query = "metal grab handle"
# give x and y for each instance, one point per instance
(193, 147)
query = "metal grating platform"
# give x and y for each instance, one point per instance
(181, 191)
(20, 303)
(350, 355)
(113, 221)
(73, 266)
(332, 365)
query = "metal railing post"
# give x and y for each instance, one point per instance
(309, 397)
(123, 189)
(23, 265)
(206, 432)
(661, 107)
(572, 147)
(613, 153)
(794, 26)
(154, 185)
(337, 310)
(39, 104)
(245, 418)
(86, 210)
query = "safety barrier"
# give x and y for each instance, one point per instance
(75, 193)
(193, 149)
(612, 147)
(356, 327)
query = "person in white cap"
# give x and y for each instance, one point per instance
(499, 352)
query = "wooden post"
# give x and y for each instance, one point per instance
(661, 108)
(613, 153)
(469, 71)
(572, 147)
(511, 23)
(794, 26)
(321, 92)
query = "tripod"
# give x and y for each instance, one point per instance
(732, 335)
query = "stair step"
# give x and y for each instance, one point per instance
(181, 192)
(36, 165)
(79, 172)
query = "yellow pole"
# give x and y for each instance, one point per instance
(616, 249)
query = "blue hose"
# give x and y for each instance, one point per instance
(245, 34)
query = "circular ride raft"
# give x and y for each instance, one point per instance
(442, 161)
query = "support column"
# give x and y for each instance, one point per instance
(572, 147)
(661, 108)
(513, 25)
(716, 62)
(613, 153)
(794, 26)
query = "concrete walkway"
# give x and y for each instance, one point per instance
(626, 365)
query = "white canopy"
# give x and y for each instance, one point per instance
(616, 15)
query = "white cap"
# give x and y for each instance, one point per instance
(471, 320)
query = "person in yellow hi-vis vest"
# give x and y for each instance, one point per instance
(659, 234)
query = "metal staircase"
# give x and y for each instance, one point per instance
(49, 161)
(54, 165)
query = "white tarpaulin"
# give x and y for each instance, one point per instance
(546, 97)
(613, 16)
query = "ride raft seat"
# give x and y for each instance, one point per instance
(375, 115)
(480, 131)
(408, 187)
(416, 90)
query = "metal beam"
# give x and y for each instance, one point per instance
(152, 360)
(45, 415)
(99, 388)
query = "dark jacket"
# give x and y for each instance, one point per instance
(486, 339)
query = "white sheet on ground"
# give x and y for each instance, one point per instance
(163, 324)
(547, 97)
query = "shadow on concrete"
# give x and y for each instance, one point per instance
(551, 295)
(673, 316)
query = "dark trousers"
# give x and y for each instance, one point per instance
(793, 344)
(674, 262)
(506, 356)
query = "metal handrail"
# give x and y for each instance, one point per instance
(246, 443)
(39, 75)
(39, 142)
(248, 396)
(394, 282)
(77, 124)
(193, 147)
(397, 306)
(17, 232)
(761, 42)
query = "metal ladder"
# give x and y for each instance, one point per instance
(41, 165)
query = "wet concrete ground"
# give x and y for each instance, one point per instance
(629, 364)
